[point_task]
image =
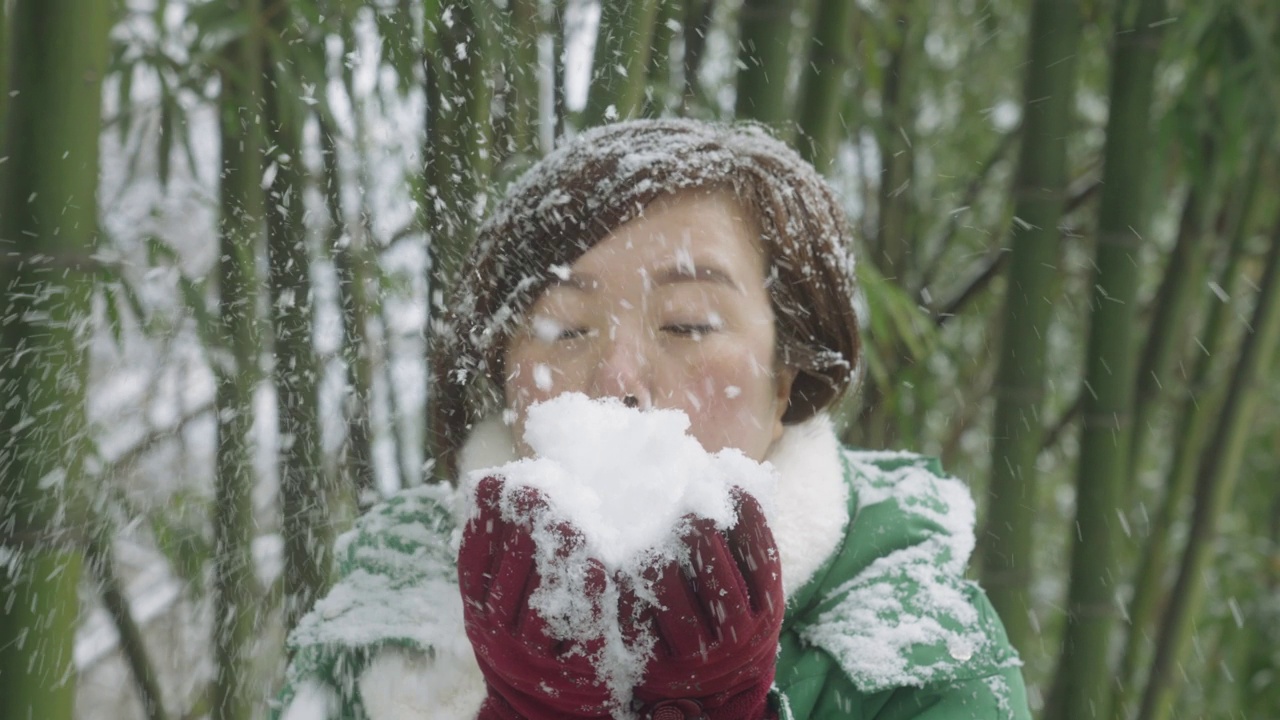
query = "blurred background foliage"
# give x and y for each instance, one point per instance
(228, 225)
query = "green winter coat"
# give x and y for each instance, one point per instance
(887, 628)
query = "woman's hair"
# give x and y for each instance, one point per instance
(605, 177)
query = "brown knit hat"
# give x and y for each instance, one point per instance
(599, 180)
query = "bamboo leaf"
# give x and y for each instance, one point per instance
(126, 294)
(309, 13)
(188, 145)
(164, 149)
(112, 308)
(124, 104)
(895, 318)
(215, 27)
(184, 545)
(193, 296)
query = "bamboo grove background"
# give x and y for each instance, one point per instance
(226, 227)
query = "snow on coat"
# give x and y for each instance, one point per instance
(880, 622)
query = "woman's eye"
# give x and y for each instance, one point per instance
(694, 331)
(573, 333)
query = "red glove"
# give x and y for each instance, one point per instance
(530, 675)
(716, 622)
(714, 626)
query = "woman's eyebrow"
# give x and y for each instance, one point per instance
(684, 273)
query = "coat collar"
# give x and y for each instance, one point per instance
(808, 516)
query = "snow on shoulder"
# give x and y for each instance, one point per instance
(626, 479)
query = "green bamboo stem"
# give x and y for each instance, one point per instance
(458, 153)
(764, 57)
(697, 23)
(1215, 485)
(893, 244)
(99, 557)
(619, 71)
(522, 71)
(825, 81)
(661, 92)
(481, 73)
(367, 277)
(559, 104)
(1197, 413)
(304, 488)
(1260, 642)
(1183, 276)
(459, 140)
(1082, 685)
(4, 67)
(1039, 188)
(56, 57)
(242, 204)
(350, 266)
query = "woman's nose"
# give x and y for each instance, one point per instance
(625, 370)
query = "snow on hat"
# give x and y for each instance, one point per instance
(604, 177)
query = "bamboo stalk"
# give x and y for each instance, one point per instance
(764, 59)
(56, 55)
(893, 237)
(619, 71)
(1082, 685)
(305, 492)
(349, 265)
(824, 82)
(5, 48)
(522, 51)
(241, 202)
(458, 149)
(697, 23)
(1200, 409)
(1256, 700)
(559, 104)
(100, 560)
(1215, 484)
(661, 92)
(1183, 275)
(1007, 546)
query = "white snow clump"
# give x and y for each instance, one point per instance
(626, 477)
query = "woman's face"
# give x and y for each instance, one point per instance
(671, 310)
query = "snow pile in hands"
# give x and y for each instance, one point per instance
(626, 479)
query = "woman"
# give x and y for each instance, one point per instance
(667, 264)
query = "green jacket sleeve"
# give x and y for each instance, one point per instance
(396, 587)
(889, 628)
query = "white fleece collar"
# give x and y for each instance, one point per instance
(808, 515)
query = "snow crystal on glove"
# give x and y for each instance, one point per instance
(625, 479)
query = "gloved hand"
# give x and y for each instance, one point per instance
(530, 675)
(716, 622)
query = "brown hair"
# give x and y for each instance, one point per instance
(577, 195)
